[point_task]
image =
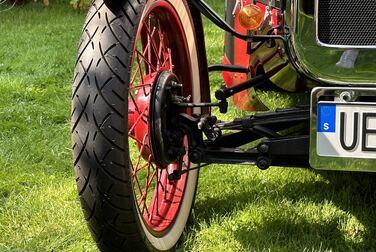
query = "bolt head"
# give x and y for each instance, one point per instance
(263, 148)
(263, 163)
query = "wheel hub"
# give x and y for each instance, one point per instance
(165, 137)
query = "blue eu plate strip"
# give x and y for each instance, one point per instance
(326, 118)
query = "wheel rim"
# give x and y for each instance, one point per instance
(160, 46)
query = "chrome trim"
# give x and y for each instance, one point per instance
(294, 16)
(330, 45)
(315, 72)
(306, 70)
(336, 163)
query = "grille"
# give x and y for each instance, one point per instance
(347, 22)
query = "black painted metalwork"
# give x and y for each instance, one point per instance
(225, 93)
(228, 68)
(207, 11)
(285, 151)
(276, 148)
(166, 140)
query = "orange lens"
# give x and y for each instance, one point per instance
(251, 17)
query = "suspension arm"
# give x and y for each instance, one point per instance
(228, 68)
(276, 150)
(284, 151)
(282, 117)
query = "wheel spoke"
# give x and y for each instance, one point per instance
(138, 184)
(152, 42)
(135, 179)
(140, 69)
(140, 86)
(155, 201)
(144, 207)
(142, 167)
(164, 53)
(171, 66)
(135, 73)
(157, 197)
(136, 121)
(134, 102)
(148, 183)
(149, 48)
(147, 61)
(134, 138)
(144, 194)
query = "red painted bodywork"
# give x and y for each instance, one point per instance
(242, 58)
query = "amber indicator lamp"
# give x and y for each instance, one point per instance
(251, 16)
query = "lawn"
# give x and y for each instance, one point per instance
(238, 208)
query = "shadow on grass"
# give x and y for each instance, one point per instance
(284, 235)
(352, 193)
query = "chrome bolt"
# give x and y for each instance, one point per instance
(174, 84)
(346, 96)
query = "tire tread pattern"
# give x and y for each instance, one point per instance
(98, 111)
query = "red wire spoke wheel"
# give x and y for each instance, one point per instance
(134, 56)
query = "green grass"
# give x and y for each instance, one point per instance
(237, 208)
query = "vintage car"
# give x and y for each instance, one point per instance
(142, 117)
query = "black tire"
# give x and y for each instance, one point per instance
(99, 124)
